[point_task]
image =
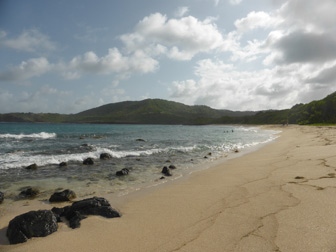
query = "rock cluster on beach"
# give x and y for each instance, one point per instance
(77, 211)
(44, 222)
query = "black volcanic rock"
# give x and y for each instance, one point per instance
(78, 210)
(105, 156)
(63, 164)
(65, 195)
(32, 224)
(95, 206)
(88, 161)
(32, 167)
(30, 192)
(122, 172)
(2, 197)
(166, 171)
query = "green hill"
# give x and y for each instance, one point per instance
(157, 111)
(153, 111)
(315, 112)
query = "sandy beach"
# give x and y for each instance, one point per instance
(281, 197)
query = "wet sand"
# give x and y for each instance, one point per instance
(281, 197)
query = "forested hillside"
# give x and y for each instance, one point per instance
(157, 111)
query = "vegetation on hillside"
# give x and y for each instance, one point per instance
(157, 111)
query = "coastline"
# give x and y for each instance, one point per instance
(250, 203)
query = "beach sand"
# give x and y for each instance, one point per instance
(251, 203)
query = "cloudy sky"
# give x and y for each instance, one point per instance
(66, 56)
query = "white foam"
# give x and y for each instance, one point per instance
(41, 135)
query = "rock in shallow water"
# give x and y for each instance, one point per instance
(166, 171)
(32, 224)
(172, 167)
(63, 164)
(65, 195)
(2, 197)
(105, 156)
(32, 167)
(122, 172)
(88, 161)
(30, 192)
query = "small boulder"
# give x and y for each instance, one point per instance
(2, 197)
(30, 192)
(140, 140)
(172, 167)
(105, 156)
(166, 171)
(63, 164)
(32, 224)
(88, 161)
(32, 167)
(122, 172)
(66, 195)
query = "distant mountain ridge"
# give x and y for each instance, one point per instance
(158, 111)
(154, 111)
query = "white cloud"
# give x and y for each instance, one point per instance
(113, 62)
(256, 20)
(220, 85)
(235, 2)
(89, 63)
(27, 69)
(181, 11)
(29, 40)
(310, 15)
(301, 38)
(303, 47)
(181, 38)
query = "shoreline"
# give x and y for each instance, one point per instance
(48, 187)
(250, 203)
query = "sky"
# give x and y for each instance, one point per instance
(67, 56)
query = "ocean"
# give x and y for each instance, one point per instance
(143, 149)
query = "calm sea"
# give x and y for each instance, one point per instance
(47, 145)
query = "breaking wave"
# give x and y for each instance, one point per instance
(41, 135)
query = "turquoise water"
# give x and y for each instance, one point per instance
(47, 145)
